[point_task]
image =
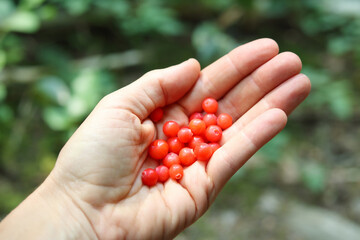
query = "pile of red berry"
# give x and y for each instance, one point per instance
(197, 141)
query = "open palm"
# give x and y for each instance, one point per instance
(100, 166)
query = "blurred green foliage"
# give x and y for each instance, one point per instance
(50, 82)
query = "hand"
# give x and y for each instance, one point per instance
(100, 166)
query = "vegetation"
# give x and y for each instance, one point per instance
(59, 57)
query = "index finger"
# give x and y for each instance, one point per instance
(222, 75)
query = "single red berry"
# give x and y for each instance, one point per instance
(195, 115)
(171, 128)
(210, 119)
(171, 159)
(195, 141)
(224, 120)
(158, 149)
(175, 145)
(210, 105)
(157, 115)
(185, 135)
(197, 126)
(187, 156)
(214, 146)
(162, 172)
(203, 152)
(213, 133)
(149, 177)
(176, 171)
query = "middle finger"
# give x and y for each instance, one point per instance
(221, 76)
(263, 80)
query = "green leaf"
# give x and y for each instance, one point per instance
(56, 118)
(272, 8)
(53, 89)
(340, 45)
(152, 16)
(210, 42)
(78, 107)
(343, 7)
(118, 7)
(14, 48)
(6, 114)
(311, 25)
(47, 163)
(314, 176)
(6, 8)
(10, 198)
(274, 149)
(77, 7)
(88, 88)
(47, 12)
(58, 58)
(21, 21)
(319, 77)
(340, 99)
(30, 4)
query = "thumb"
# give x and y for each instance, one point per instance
(156, 88)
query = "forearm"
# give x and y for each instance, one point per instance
(47, 213)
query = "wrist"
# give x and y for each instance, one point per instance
(48, 213)
(68, 217)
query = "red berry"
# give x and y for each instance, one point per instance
(176, 171)
(149, 177)
(210, 119)
(196, 115)
(171, 128)
(157, 115)
(203, 152)
(162, 172)
(158, 149)
(214, 146)
(224, 120)
(195, 141)
(210, 105)
(187, 156)
(185, 135)
(171, 159)
(213, 133)
(175, 145)
(197, 126)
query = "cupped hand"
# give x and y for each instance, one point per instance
(100, 166)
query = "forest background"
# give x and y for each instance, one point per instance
(58, 58)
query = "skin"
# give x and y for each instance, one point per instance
(95, 189)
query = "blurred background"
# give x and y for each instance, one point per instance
(59, 57)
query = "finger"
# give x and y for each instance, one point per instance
(156, 89)
(286, 97)
(249, 91)
(219, 77)
(234, 153)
